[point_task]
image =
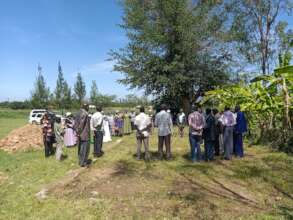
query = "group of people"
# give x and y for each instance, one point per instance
(221, 133)
(71, 131)
(54, 131)
(121, 123)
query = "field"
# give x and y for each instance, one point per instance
(116, 186)
(11, 119)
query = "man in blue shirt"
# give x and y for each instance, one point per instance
(239, 129)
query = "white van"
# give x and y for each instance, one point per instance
(36, 116)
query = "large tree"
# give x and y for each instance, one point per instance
(40, 94)
(254, 28)
(94, 93)
(173, 47)
(62, 91)
(67, 102)
(79, 89)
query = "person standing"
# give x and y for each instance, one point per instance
(106, 128)
(118, 124)
(218, 131)
(164, 123)
(196, 123)
(69, 135)
(240, 128)
(96, 125)
(126, 124)
(82, 128)
(181, 122)
(143, 125)
(228, 121)
(59, 132)
(209, 134)
(48, 136)
(132, 119)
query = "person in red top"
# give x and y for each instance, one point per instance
(48, 135)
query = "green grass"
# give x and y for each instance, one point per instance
(11, 119)
(256, 187)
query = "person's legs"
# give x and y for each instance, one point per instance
(138, 148)
(206, 146)
(59, 151)
(98, 143)
(217, 146)
(228, 141)
(197, 148)
(234, 142)
(146, 148)
(239, 145)
(160, 146)
(47, 148)
(168, 147)
(101, 141)
(95, 151)
(83, 153)
(221, 144)
(193, 148)
(78, 145)
(181, 130)
(209, 147)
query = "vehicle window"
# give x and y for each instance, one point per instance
(34, 115)
(39, 115)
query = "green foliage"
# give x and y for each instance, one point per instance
(255, 29)
(172, 47)
(267, 102)
(94, 92)
(62, 97)
(79, 89)
(40, 94)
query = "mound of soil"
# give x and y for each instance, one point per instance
(23, 138)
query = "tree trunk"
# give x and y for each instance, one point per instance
(186, 104)
(287, 122)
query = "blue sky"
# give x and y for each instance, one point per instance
(79, 33)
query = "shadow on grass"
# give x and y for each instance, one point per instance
(228, 193)
(285, 211)
(124, 168)
(154, 156)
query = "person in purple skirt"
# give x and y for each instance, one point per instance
(69, 135)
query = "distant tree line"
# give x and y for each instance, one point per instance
(63, 97)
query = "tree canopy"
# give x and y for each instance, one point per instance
(173, 47)
(40, 94)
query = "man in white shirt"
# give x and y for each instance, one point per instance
(96, 124)
(181, 122)
(163, 121)
(142, 124)
(228, 121)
